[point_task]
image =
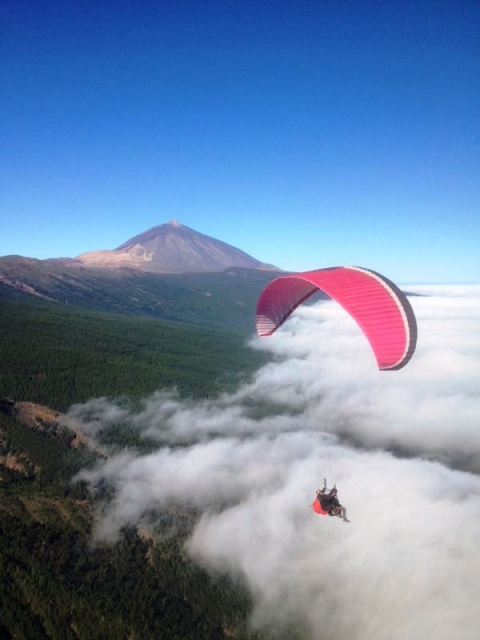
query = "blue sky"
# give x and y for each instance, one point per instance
(306, 133)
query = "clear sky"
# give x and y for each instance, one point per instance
(307, 133)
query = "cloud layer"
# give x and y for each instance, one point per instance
(403, 447)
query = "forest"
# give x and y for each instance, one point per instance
(54, 582)
(58, 356)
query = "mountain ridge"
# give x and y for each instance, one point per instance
(225, 298)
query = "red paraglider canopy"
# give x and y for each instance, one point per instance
(378, 306)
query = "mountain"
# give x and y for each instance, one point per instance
(172, 248)
(170, 272)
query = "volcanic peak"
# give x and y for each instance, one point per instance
(173, 248)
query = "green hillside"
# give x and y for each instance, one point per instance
(58, 356)
(54, 583)
(223, 299)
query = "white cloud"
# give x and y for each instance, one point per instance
(407, 566)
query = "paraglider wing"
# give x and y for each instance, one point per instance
(378, 306)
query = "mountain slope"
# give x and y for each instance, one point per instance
(221, 299)
(173, 248)
(170, 271)
(57, 584)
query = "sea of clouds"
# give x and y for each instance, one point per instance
(402, 446)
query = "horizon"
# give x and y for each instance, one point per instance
(177, 223)
(304, 135)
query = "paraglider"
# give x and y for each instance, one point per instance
(377, 305)
(327, 503)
